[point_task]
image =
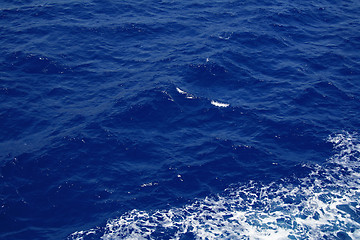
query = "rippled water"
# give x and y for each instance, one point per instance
(179, 119)
(322, 205)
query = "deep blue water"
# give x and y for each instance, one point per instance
(179, 119)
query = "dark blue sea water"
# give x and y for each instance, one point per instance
(182, 120)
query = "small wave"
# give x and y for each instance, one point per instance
(35, 64)
(324, 204)
(190, 96)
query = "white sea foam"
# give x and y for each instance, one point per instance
(149, 184)
(219, 104)
(180, 91)
(188, 95)
(324, 204)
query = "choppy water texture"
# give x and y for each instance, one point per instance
(179, 119)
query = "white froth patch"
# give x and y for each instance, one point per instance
(180, 91)
(149, 184)
(219, 104)
(188, 95)
(325, 204)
